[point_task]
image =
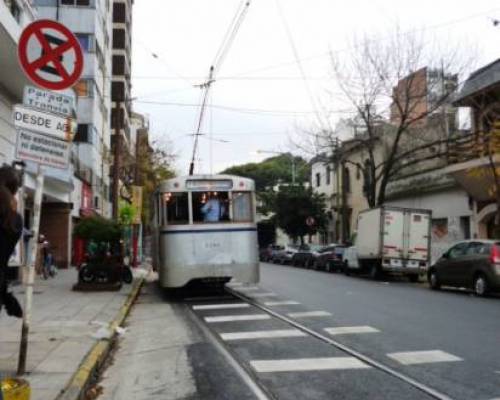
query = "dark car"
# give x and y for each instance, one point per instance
(473, 264)
(267, 253)
(304, 257)
(330, 258)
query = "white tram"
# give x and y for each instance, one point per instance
(205, 229)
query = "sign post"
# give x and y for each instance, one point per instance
(23, 349)
(51, 57)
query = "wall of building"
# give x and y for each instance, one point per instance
(452, 216)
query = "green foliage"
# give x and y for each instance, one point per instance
(292, 205)
(272, 171)
(127, 214)
(98, 229)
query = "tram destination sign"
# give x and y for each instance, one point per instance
(48, 101)
(42, 149)
(50, 124)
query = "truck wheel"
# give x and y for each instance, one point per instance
(375, 272)
(413, 278)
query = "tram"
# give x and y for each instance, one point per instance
(204, 229)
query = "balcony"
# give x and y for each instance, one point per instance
(471, 161)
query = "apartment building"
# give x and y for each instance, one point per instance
(91, 22)
(121, 116)
(14, 16)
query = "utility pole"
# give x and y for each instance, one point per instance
(117, 160)
(337, 195)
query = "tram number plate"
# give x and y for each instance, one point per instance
(212, 245)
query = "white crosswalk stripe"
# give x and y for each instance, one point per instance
(423, 357)
(220, 306)
(308, 364)
(262, 294)
(247, 288)
(308, 314)
(281, 303)
(231, 318)
(343, 330)
(277, 333)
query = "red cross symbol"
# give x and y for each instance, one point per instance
(60, 61)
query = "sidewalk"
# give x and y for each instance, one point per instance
(65, 326)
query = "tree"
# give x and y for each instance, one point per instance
(395, 87)
(272, 171)
(154, 164)
(292, 206)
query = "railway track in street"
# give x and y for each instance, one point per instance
(269, 349)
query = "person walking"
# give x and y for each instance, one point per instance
(11, 228)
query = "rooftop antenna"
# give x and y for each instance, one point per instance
(214, 68)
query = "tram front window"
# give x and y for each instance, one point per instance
(177, 208)
(242, 207)
(210, 207)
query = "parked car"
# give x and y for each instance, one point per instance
(473, 264)
(267, 253)
(350, 259)
(284, 256)
(329, 258)
(304, 257)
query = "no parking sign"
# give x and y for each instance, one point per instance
(50, 55)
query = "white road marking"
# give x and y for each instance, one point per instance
(220, 306)
(308, 364)
(263, 294)
(247, 288)
(230, 318)
(281, 303)
(281, 333)
(342, 330)
(423, 357)
(307, 314)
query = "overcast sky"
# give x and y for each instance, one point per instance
(260, 99)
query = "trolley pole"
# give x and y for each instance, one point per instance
(23, 350)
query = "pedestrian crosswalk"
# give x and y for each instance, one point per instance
(405, 358)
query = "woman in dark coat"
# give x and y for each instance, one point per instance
(11, 226)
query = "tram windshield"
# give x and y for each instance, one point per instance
(207, 207)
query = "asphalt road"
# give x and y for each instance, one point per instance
(465, 330)
(448, 341)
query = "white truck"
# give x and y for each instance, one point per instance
(394, 240)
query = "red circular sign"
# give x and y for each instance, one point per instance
(50, 55)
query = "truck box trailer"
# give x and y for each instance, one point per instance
(395, 240)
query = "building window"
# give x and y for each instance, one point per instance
(118, 38)
(75, 2)
(318, 179)
(15, 10)
(84, 134)
(328, 175)
(83, 88)
(85, 40)
(347, 180)
(119, 12)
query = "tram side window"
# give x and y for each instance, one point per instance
(242, 207)
(177, 208)
(210, 207)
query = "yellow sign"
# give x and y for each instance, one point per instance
(137, 203)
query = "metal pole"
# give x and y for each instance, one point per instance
(337, 197)
(23, 350)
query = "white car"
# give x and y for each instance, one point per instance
(350, 259)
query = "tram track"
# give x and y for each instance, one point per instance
(250, 377)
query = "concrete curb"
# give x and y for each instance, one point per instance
(94, 359)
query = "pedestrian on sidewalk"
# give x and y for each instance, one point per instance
(11, 227)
